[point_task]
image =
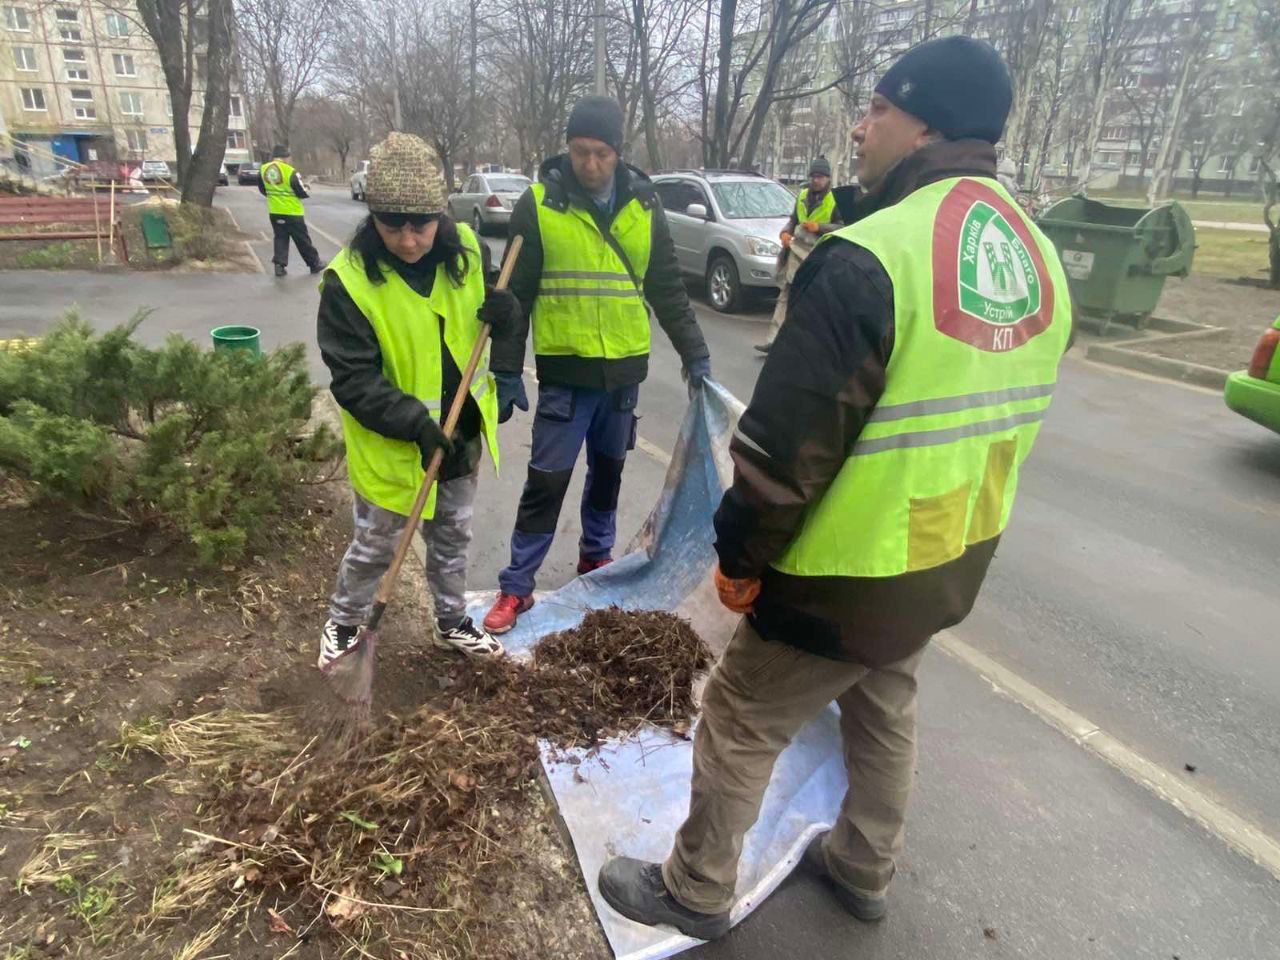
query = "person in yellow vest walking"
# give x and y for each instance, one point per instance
(400, 310)
(279, 182)
(815, 216)
(875, 471)
(597, 255)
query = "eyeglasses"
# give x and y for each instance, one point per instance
(394, 221)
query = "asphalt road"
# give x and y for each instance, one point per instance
(1137, 584)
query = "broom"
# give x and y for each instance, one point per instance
(351, 675)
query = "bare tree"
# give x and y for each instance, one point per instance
(193, 39)
(285, 42)
(1265, 114)
(1115, 26)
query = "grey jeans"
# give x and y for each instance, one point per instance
(447, 536)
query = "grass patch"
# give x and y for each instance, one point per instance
(1230, 254)
(1227, 211)
(56, 256)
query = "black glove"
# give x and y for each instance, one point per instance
(430, 439)
(501, 310)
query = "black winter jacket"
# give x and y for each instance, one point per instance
(662, 284)
(820, 383)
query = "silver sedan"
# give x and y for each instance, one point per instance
(486, 200)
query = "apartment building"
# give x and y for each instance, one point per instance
(81, 79)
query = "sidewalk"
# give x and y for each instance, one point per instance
(1020, 843)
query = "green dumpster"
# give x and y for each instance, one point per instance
(236, 338)
(1117, 258)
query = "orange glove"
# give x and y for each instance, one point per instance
(811, 226)
(785, 238)
(737, 595)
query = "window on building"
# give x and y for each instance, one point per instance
(1254, 165)
(67, 15)
(130, 103)
(73, 55)
(124, 65)
(78, 73)
(1231, 21)
(117, 25)
(33, 99)
(71, 35)
(1074, 15)
(16, 18)
(1227, 163)
(1226, 50)
(24, 58)
(237, 108)
(1129, 81)
(236, 140)
(137, 140)
(85, 112)
(82, 94)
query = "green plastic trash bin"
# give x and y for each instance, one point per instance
(236, 338)
(1117, 258)
(155, 231)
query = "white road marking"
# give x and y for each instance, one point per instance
(327, 235)
(1214, 816)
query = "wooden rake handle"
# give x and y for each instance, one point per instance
(387, 585)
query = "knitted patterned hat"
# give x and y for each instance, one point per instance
(404, 177)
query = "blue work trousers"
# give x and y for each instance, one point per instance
(565, 418)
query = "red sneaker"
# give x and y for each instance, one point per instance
(503, 614)
(586, 566)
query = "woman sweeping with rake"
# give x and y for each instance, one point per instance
(401, 309)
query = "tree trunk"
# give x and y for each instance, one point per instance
(1275, 260)
(202, 177)
(163, 21)
(1162, 176)
(724, 63)
(647, 100)
(1195, 183)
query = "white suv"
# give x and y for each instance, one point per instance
(358, 180)
(725, 226)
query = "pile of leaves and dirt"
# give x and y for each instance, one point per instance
(210, 446)
(174, 790)
(402, 840)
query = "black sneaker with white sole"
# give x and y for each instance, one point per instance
(467, 638)
(336, 641)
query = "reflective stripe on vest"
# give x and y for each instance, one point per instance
(824, 210)
(982, 316)
(587, 305)
(276, 179)
(389, 472)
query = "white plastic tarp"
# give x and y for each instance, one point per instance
(629, 797)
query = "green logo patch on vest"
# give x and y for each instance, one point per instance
(990, 286)
(273, 174)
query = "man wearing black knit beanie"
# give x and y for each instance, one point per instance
(874, 473)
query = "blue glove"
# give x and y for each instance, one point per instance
(695, 371)
(510, 395)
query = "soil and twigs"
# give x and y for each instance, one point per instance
(170, 785)
(1242, 312)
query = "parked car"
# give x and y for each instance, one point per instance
(1255, 393)
(155, 170)
(249, 174)
(358, 180)
(486, 200)
(223, 179)
(725, 226)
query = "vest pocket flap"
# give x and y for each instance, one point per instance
(936, 528)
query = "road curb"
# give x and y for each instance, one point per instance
(1132, 355)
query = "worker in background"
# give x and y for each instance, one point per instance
(400, 311)
(279, 182)
(814, 217)
(875, 470)
(597, 256)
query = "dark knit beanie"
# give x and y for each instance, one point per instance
(821, 167)
(599, 118)
(957, 85)
(278, 151)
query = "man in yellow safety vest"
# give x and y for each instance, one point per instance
(815, 215)
(279, 182)
(875, 471)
